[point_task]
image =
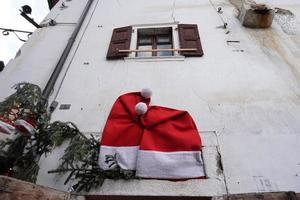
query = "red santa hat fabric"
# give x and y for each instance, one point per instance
(163, 143)
(122, 133)
(12, 123)
(25, 126)
(6, 125)
(170, 147)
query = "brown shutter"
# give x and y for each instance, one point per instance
(120, 40)
(52, 3)
(189, 38)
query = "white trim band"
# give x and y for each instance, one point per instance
(126, 156)
(7, 128)
(170, 165)
(26, 125)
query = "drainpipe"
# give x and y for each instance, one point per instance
(56, 72)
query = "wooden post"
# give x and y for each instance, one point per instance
(14, 189)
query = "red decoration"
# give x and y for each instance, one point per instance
(163, 143)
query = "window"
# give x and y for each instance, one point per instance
(154, 38)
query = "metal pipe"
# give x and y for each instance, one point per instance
(56, 72)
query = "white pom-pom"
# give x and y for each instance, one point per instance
(141, 108)
(146, 93)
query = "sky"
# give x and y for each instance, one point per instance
(10, 18)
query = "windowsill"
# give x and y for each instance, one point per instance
(155, 58)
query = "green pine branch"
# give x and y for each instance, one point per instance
(81, 162)
(81, 156)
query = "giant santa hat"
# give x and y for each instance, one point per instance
(122, 133)
(155, 141)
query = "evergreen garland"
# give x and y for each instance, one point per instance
(23, 153)
(81, 162)
(28, 97)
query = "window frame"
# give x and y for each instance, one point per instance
(175, 42)
(154, 40)
(181, 39)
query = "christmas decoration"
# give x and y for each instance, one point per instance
(138, 141)
(19, 156)
(25, 114)
(80, 161)
(6, 125)
(19, 112)
(146, 93)
(155, 141)
(141, 108)
(170, 147)
(25, 126)
(123, 132)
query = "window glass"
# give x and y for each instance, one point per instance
(145, 40)
(144, 54)
(164, 53)
(155, 38)
(163, 39)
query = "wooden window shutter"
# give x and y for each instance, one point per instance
(52, 3)
(120, 40)
(189, 38)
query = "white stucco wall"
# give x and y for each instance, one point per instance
(245, 104)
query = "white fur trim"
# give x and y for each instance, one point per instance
(170, 165)
(146, 93)
(9, 129)
(141, 108)
(26, 125)
(126, 156)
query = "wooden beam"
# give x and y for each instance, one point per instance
(153, 50)
(14, 189)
